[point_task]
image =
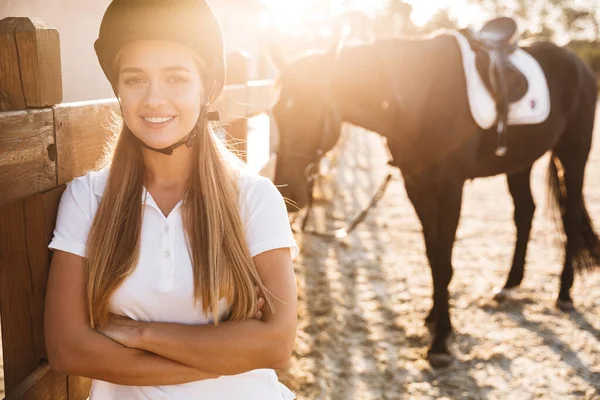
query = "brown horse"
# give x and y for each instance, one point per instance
(412, 92)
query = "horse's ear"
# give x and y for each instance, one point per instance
(277, 57)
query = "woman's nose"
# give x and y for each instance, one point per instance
(154, 96)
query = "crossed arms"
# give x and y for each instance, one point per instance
(152, 353)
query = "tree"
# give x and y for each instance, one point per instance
(440, 20)
(494, 7)
(401, 13)
(545, 32)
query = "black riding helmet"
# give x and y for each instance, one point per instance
(190, 22)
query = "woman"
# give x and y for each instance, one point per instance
(162, 259)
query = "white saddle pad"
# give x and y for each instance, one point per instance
(533, 108)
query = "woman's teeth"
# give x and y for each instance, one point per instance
(158, 120)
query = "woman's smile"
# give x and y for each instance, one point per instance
(157, 122)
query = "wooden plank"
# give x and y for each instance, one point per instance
(25, 230)
(42, 384)
(79, 387)
(82, 130)
(233, 110)
(261, 96)
(15, 294)
(238, 68)
(40, 217)
(238, 136)
(30, 67)
(27, 160)
(233, 103)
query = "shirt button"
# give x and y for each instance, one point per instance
(167, 253)
(166, 228)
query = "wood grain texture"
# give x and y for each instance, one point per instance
(30, 66)
(82, 131)
(26, 154)
(12, 96)
(26, 228)
(39, 58)
(42, 384)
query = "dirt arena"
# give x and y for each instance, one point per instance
(363, 300)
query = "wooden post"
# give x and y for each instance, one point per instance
(30, 77)
(30, 70)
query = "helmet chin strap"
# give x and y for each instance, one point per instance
(205, 117)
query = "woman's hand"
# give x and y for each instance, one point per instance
(123, 330)
(259, 303)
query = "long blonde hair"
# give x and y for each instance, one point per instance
(221, 261)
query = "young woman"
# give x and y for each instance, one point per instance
(164, 258)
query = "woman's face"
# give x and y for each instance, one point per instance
(160, 91)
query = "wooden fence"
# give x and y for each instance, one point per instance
(43, 145)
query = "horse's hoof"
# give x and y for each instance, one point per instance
(430, 325)
(440, 360)
(565, 305)
(430, 328)
(503, 294)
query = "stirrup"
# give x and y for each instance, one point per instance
(501, 148)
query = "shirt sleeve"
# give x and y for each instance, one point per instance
(73, 222)
(266, 224)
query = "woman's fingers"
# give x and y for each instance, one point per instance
(260, 303)
(117, 317)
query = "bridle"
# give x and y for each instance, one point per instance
(332, 120)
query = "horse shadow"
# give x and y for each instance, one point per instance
(515, 311)
(584, 324)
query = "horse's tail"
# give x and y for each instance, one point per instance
(587, 256)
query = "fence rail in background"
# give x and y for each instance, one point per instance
(43, 145)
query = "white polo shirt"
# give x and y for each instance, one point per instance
(161, 286)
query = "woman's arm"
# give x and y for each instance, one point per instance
(237, 346)
(74, 348)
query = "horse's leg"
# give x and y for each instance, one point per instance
(582, 250)
(573, 183)
(438, 208)
(519, 185)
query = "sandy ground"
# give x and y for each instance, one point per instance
(363, 300)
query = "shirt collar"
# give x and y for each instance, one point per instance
(100, 179)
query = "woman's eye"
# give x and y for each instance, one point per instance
(177, 80)
(133, 81)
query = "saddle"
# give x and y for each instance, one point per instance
(493, 45)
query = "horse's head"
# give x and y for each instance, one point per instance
(308, 117)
